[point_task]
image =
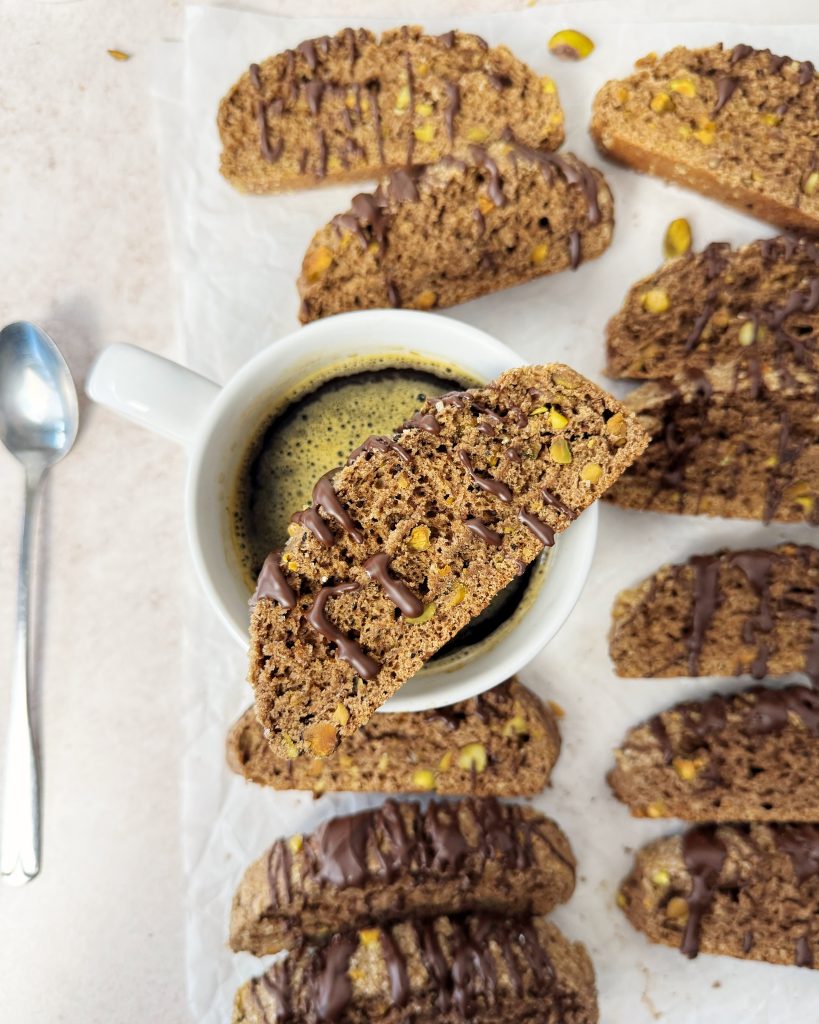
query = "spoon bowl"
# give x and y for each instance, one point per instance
(38, 400)
(39, 417)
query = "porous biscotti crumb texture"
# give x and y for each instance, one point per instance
(740, 125)
(502, 743)
(499, 215)
(351, 106)
(413, 538)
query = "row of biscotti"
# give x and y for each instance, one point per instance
(413, 913)
(740, 124)
(489, 199)
(751, 757)
(475, 198)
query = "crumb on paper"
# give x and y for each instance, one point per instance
(119, 54)
(645, 998)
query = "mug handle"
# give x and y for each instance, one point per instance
(152, 391)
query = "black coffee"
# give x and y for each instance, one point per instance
(312, 432)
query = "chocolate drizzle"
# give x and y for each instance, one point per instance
(255, 77)
(804, 954)
(396, 969)
(553, 501)
(377, 568)
(380, 444)
(706, 602)
(453, 106)
(703, 854)
(544, 533)
(486, 533)
(272, 583)
(349, 650)
(494, 186)
(425, 421)
(801, 844)
(320, 528)
(325, 497)
(485, 483)
(575, 255)
(726, 86)
(573, 174)
(330, 984)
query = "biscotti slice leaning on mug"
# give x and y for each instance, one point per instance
(415, 536)
(739, 125)
(502, 743)
(731, 613)
(748, 891)
(751, 756)
(726, 453)
(479, 968)
(402, 859)
(747, 318)
(449, 232)
(353, 105)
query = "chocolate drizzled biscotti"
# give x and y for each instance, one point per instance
(352, 106)
(749, 891)
(415, 536)
(451, 231)
(729, 614)
(479, 968)
(741, 455)
(747, 319)
(753, 756)
(502, 743)
(739, 125)
(397, 860)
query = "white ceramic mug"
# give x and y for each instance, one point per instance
(216, 425)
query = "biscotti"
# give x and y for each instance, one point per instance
(739, 125)
(447, 970)
(746, 319)
(745, 456)
(501, 743)
(397, 860)
(415, 536)
(752, 756)
(749, 891)
(442, 234)
(728, 614)
(352, 106)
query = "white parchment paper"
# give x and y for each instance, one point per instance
(239, 257)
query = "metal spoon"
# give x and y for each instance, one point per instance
(38, 425)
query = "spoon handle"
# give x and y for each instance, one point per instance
(20, 835)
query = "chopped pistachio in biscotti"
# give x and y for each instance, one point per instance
(739, 125)
(737, 454)
(502, 743)
(401, 859)
(744, 318)
(481, 968)
(748, 891)
(751, 756)
(357, 604)
(497, 216)
(732, 613)
(351, 106)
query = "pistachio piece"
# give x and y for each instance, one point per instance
(811, 184)
(656, 810)
(426, 299)
(539, 253)
(473, 756)
(369, 936)
(419, 538)
(655, 300)
(477, 134)
(458, 594)
(425, 132)
(685, 768)
(569, 44)
(295, 843)
(548, 85)
(320, 739)
(661, 878)
(402, 100)
(661, 103)
(317, 263)
(677, 909)
(560, 451)
(556, 420)
(683, 87)
(677, 241)
(446, 761)
(424, 109)
(341, 715)
(423, 779)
